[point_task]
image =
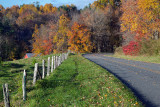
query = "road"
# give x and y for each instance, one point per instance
(142, 78)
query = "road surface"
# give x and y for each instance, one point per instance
(142, 78)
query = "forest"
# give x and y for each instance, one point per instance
(130, 27)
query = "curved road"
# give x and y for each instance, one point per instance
(142, 78)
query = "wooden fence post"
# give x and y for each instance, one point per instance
(6, 95)
(54, 62)
(43, 68)
(35, 73)
(52, 65)
(48, 67)
(59, 61)
(62, 57)
(24, 85)
(65, 56)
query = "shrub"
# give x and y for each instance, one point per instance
(133, 48)
(118, 50)
(150, 47)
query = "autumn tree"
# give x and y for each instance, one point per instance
(149, 17)
(98, 23)
(28, 16)
(61, 39)
(101, 4)
(141, 18)
(79, 38)
(12, 14)
(47, 32)
(48, 8)
(114, 13)
(68, 8)
(43, 39)
(39, 45)
(36, 48)
(7, 42)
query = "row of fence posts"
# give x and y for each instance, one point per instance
(55, 62)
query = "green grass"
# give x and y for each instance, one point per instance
(144, 58)
(77, 82)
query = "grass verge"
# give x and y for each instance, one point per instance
(144, 58)
(77, 82)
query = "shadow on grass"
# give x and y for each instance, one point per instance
(14, 65)
(5, 75)
(9, 69)
(6, 70)
(64, 78)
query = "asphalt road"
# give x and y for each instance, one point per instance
(142, 78)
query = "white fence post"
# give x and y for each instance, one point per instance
(52, 65)
(61, 57)
(65, 56)
(58, 60)
(43, 68)
(48, 67)
(54, 62)
(35, 73)
(6, 95)
(24, 85)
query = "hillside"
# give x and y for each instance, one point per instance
(77, 82)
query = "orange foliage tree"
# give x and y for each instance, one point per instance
(36, 47)
(42, 44)
(79, 38)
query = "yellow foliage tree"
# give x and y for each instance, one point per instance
(60, 39)
(29, 8)
(141, 17)
(48, 8)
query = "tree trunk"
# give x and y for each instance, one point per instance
(99, 45)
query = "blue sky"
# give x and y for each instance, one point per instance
(78, 3)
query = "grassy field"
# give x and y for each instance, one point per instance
(150, 59)
(77, 82)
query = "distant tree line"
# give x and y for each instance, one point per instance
(100, 27)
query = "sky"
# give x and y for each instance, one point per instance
(79, 3)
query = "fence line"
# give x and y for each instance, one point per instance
(55, 62)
